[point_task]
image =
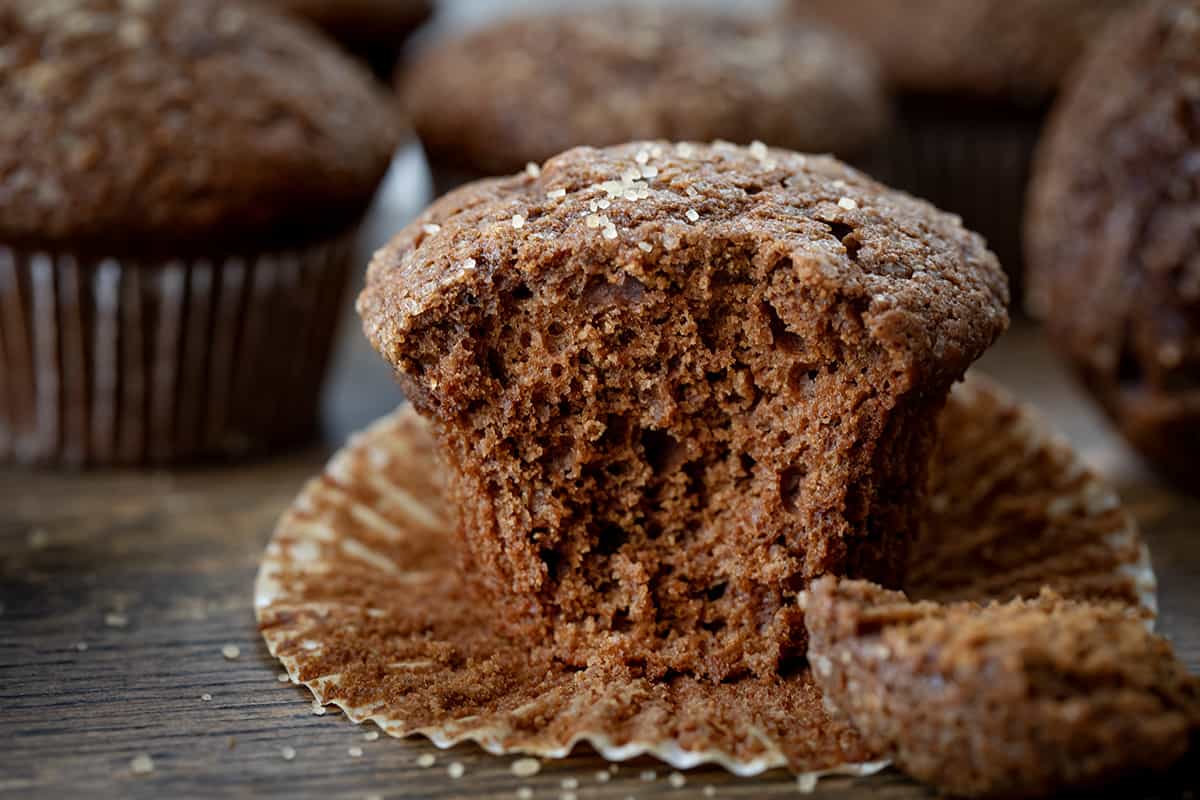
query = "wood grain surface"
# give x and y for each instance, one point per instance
(121, 591)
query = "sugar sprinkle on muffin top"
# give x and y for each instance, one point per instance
(915, 266)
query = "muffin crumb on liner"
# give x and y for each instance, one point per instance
(360, 597)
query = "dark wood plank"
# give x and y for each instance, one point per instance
(175, 555)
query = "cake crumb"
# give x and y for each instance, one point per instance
(231, 652)
(39, 539)
(526, 767)
(283, 677)
(287, 752)
(142, 764)
(426, 760)
(116, 620)
(677, 780)
(355, 752)
(807, 783)
(206, 697)
(81, 647)
(525, 793)
(456, 770)
(570, 783)
(602, 777)
(648, 775)
(568, 796)
(532, 170)
(710, 791)
(371, 736)
(318, 708)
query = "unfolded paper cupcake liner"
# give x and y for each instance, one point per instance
(118, 362)
(971, 158)
(359, 596)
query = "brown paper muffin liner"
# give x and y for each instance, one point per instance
(110, 362)
(359, 597)
(969, 157)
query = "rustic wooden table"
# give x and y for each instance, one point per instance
(122, 594)
(127, 630)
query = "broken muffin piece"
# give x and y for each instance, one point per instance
(675, 383)
(1020, 699)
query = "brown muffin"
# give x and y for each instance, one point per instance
(373, 30)
(673, 383)
(1028, 698)
(1113, 231)
(178, 185)
(1003, 48)
(525, 89)
(973, 80)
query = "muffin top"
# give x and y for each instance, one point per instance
(924, 283)
(528, 88)
(178, 125)
(1019, 48)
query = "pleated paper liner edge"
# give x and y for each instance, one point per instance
(109, 361)
(286, 619)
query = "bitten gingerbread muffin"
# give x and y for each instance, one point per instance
(1113, 231)
(974, 79)
(179, 182)
(373, 30)
(1028, 698)
(674, 383)
(525, 89)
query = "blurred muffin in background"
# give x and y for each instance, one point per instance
(524, 89)
(180, 182)
(1113, 230)
(973, 80)
(373, 30)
